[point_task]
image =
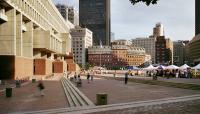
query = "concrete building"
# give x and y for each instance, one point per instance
(117, 55)
(73, 16)
(81, 40)
(197, 17)
(158, 30)
(164, 51)
(194, 50)
(112, 37)
(63, 9)
(34, 39)
(179, 48)
(148, 44)
(95, 15)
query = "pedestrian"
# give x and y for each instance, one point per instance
(177, 73)
(92, 76)
(41, 87)
(88, 77)
(126, 78)
(75, 77)
(79, 82)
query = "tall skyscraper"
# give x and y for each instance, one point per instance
(95, 15)
(197, 17)
(158, 30)
(63, 9)
(73, 16)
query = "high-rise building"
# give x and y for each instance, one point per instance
(63, 9)
(148, 44)
(194, 50)
(164, 51)
(179, 52)
(158, 30)
(197, 17)
(95, 15)
(81, 40)
(73, 16)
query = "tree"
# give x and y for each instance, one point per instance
(147, 2)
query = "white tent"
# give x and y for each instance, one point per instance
(160, 67)
(171, 67)
(183, 67)
(197, 67)
(150, 67)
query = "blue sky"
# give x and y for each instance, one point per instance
(128, 21)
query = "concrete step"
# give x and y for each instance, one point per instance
(113, 107)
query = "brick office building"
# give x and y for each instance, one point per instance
(164, 50)
(117, 56)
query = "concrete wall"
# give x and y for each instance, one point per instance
(8, 34)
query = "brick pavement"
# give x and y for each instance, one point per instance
(118, 92)
(188, 107)
(27, 98)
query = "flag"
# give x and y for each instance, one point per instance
(101, 44)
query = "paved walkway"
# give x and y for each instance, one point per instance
(118, 92)
(27, 98)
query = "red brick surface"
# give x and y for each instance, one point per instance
(58, 67)
(39, 67)
(27, 98)
(13, 67)
(118, 92)
(71, 67)
(42, 66)
(23, 67)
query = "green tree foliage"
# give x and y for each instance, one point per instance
(147, 2)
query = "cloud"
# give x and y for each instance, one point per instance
(130, 21)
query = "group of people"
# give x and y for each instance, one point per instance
(171, 73)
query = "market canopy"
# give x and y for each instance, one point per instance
(171, 67)
(150, 67)
(161, 67)
(197, 67)
(185, 66)
(132, 68)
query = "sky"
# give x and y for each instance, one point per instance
(131, 21)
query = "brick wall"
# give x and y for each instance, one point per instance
(23, 67)
(58, 66)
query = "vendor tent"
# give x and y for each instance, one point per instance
(197, 67)
(150, 67)
(185, 66)
(161, 67)
(172, 67)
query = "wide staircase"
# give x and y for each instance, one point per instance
(75, 97)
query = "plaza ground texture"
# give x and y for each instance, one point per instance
(27, 97)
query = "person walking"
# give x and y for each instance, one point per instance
(88, 77)
(126, 78)
(92, 76)
(75, 77)
(41, 87)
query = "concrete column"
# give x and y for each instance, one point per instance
(28, 40)
(19, 34)
(8, 34)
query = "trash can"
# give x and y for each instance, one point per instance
(8, 92)
(18, 84)
(101, 98)
(33, 80)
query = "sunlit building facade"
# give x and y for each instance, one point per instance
(35, 39)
